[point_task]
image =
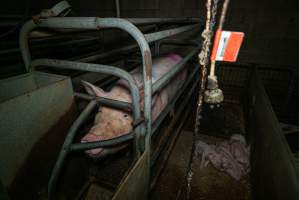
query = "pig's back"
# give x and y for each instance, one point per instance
(160, 67)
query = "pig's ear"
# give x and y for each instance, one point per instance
(93, 90)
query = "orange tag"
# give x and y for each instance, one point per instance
(226, 46)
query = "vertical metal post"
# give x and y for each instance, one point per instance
(117, 8)
(23, 42)
(157, 50)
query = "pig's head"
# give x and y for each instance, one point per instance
(109, 122)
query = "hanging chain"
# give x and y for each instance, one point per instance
(203, 56)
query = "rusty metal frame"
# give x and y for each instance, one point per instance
(142, 139)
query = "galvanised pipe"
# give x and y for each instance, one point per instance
(49, 45)
(98, 23)
(102, 144)
(95, 56)
(177, 42)
(159, 84)
(107, 102)
(98, 68)
(67, 142)
(117, 8)
(143, 21)
(180, 123)
(167, 33)
(92, 23)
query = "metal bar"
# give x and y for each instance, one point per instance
(167, 33)
(98, 68)
(65, 148)
(125, 138)
(107, 102)
(103, 143)
(182, 42)
(117, 8)
(143, 21)
(172, 103)
(95, 56)
(55, 44)
(176, 42)
(97, 23)
(165, 79)
(23, 42)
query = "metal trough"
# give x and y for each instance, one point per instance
(30, 106)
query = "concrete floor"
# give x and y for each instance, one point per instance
(207, 183)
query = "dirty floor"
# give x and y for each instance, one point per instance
(207, 183)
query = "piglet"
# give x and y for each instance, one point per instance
(230, 156)
(110, 123)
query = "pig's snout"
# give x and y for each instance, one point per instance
(92, 138)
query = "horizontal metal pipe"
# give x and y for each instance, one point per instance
(98, 68)
(107, 102)
(117, 8)
(55, 44)
(24, 43)
(167, 77)
(102, 144)
(95, 22)
(142, 21)
(181, 42)
(94, 56)
(167, 33)
(98, 23)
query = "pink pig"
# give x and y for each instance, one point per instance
(110, 123)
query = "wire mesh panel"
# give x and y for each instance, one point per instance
(280, 83)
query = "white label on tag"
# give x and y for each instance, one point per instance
(222, 44)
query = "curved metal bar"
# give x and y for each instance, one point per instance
(67, 142)
(98, 23)
(98, 68)
(23, 42)
(107, 102)
(102, 144)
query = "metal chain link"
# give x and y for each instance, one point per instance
(203, 56)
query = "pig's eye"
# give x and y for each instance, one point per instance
(125, 115)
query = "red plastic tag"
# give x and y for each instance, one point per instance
(226, 46)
